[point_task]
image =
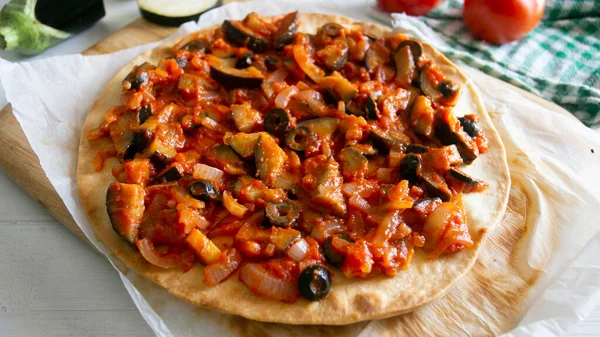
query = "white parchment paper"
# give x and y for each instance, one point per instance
(51, 98)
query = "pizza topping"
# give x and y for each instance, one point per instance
(276, 154)
(314, 282)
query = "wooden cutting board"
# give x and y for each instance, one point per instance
(488, 301)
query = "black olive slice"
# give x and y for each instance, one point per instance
(471, 127)
(203, 190)
(282, 214)
(410, 167)
(277, 122)
(194, 46)
(314, 282)
(244, 61)
(448, 88)
(300, 138)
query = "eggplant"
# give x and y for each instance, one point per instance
(300, 138)
(422, 116)
(245, 117)
(406, 69)
(449, 131)
(144, 112)
(159, 153)
(470, 125)
(138, 76)
(377, 55)
(304, 62)
(371, 111)
(126, 141)
(244, 143)
(270, 160)
(339, 87)
(326, 192)
(415, 48)
(245, 60)
(470, 184)
(287, 29)
(322, 127)
(30, 27)
(232, 78)
(436, 186)
(354, 163)
(172, 173)
(334, 55)
(226, 159)
(387, 140)
(328, 32)
(416, 148)
(164, 13)
(125, 206)
(410, 167)
(426, 205)
(241, 36)
(194, 46)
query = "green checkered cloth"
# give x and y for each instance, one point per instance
(559, 60)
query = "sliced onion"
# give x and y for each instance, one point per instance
(219, 271)
(298, 250)
(387, 228)
(284, 96)
(262, 283)
(210, 123)
(151, 255)
(277, 76)
(208, 173)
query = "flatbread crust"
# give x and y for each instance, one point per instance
(350, 300)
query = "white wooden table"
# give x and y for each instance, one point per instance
(51, 283)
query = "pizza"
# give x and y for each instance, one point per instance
(302, 169)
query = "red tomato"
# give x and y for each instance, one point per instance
(500, 22)
(410, 7)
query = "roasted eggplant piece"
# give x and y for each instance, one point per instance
(422, 116)
(325, 178)
(277, 122)
(245, 60)
(371, 111)
(328, 32)
(144, 112)
(464, 182)
(377, 55)
(449, 131)
(283, 214)
(159, 153)
(300, 138)
(127, 141)
(339, 87)
(427, 205)
(226, 159)
(410, 167)
(334, 55)
(416, 148)
(322, 127)
(270, 160)
(138, 76)
(231, 78)
(244, 143)
(385, 141)
(406, 65)
(241, 36)
(436, 186)
(204, 190)
(354, 163)
(470, 125)
(286, 31)
(194, 46)
(125, 206)
(172, 173)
